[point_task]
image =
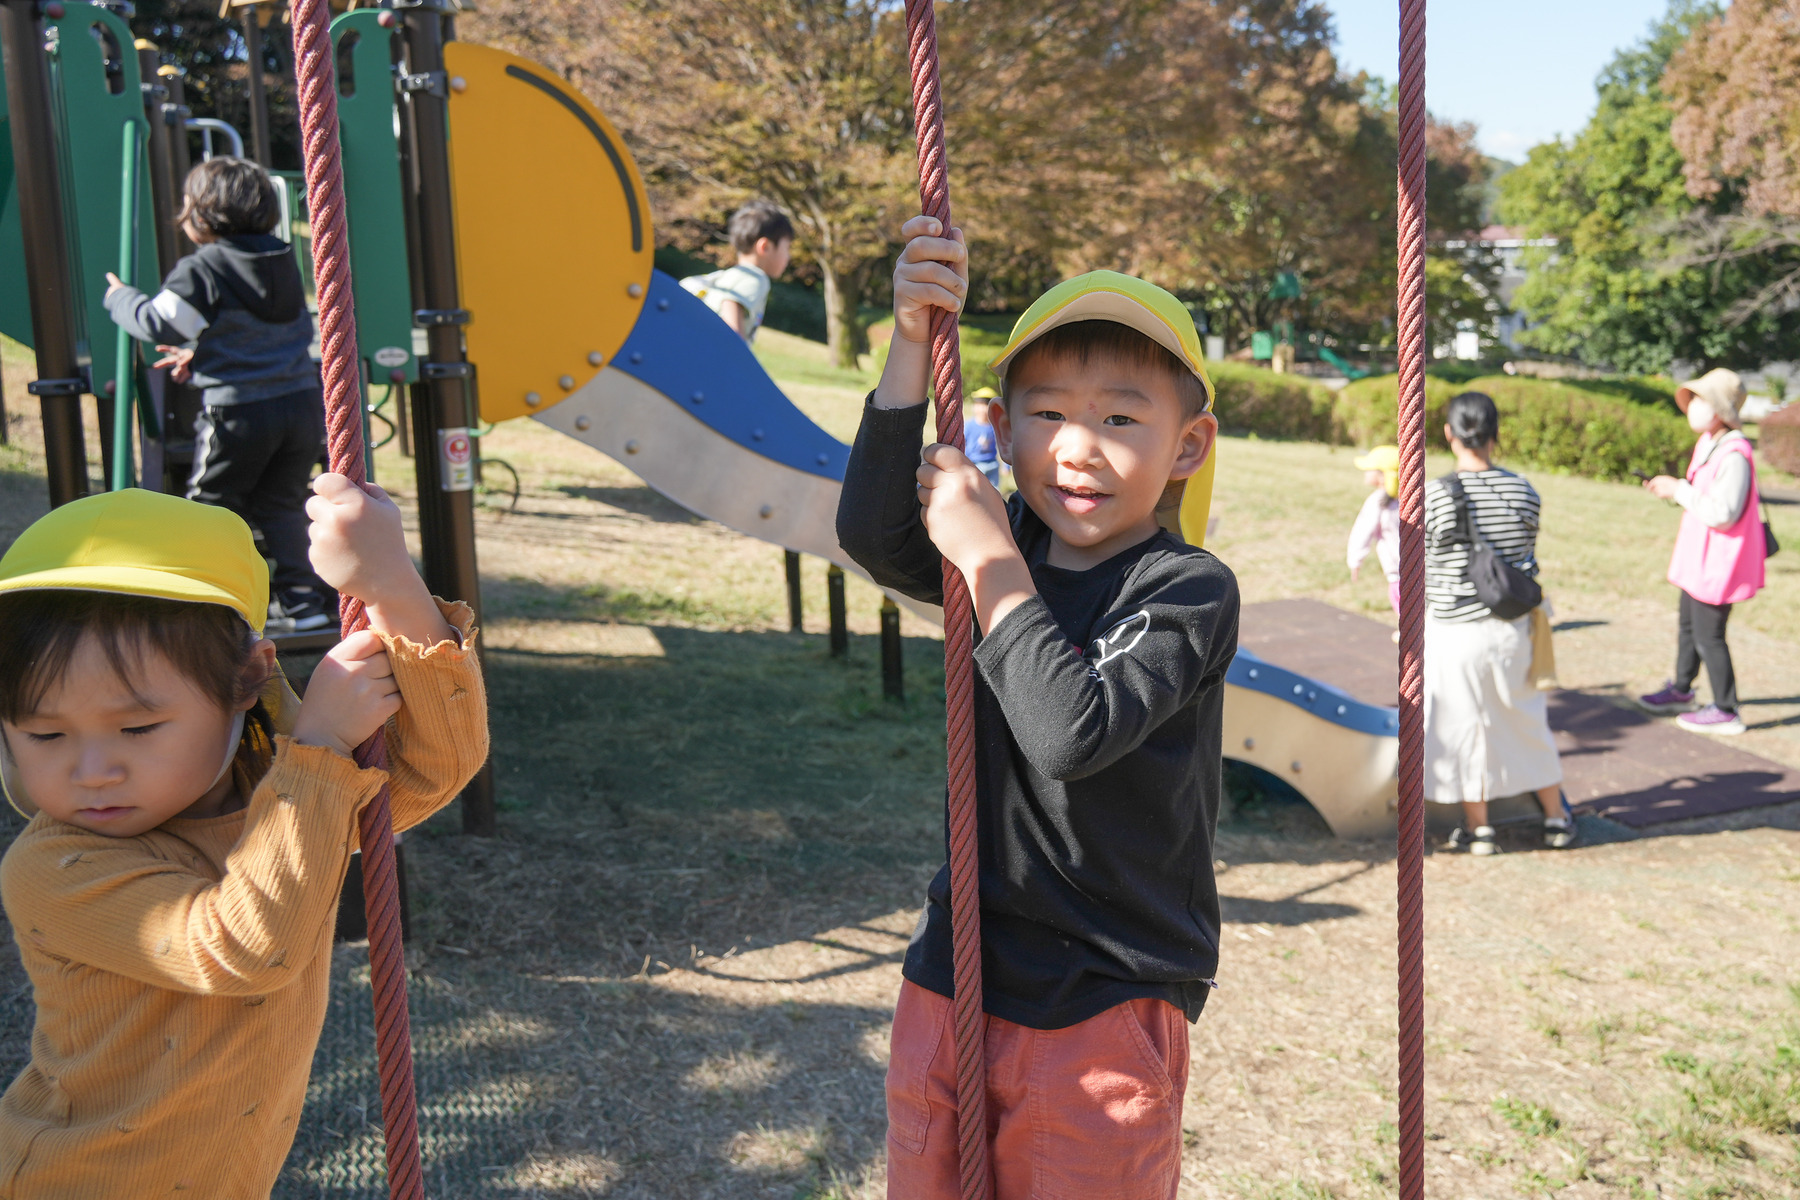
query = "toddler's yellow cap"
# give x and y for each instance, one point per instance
(142, 543)
(1111, 296)
(1381, 458)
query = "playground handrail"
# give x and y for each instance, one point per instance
(123, 346)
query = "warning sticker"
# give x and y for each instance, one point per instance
(456, 453)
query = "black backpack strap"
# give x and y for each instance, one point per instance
(1464, 530)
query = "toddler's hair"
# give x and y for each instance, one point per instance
(1473, 419)
(1100, 340)
(208, 643)
(757, 220)
(229, 197)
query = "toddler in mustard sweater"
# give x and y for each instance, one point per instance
(173, 896)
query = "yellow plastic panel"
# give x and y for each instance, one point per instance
(553, 235)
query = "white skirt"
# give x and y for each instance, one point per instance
(1487, 727)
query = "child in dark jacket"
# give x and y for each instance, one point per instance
(1099, 689)
(232, 317)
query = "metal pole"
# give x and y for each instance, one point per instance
(163, 185)
(181, 158)
(123, 358)
(443, 402)
(59, 384)
(834, 601)
(893, 679)
(259, 95)
(795, 625)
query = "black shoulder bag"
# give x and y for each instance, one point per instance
(1508, 592)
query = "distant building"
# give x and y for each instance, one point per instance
(1508, 245)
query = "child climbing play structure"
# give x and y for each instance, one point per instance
(421, 154)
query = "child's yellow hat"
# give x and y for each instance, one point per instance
(1111, 296)
(1385, 459)
(141, 543)
(1159, 316)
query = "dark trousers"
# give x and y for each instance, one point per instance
(256, 459)
(1703, 638)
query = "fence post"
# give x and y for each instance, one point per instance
(893, 682)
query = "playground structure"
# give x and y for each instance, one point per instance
(564, 320)
(443, 145)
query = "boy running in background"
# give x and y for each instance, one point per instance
(173, 896)
(1099, 684)
(232, 318)
(763, 237)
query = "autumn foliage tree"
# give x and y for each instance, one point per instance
(1211, 145)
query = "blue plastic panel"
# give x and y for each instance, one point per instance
(1320, 699)
(681, 348)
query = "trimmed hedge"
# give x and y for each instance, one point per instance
(1563, 426)
(1252, 400)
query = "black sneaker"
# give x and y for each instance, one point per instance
(299, 615)
(1561, 832)
(1481, 841)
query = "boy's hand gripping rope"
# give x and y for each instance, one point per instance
(317, 80)
(959, 643)
(1411, 440)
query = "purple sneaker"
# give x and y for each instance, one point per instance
(1711, 719)
(1667, 701)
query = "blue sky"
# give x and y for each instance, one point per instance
(1522, 70)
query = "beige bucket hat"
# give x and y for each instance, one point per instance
(1722, 390)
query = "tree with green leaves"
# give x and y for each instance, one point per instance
(1621, 287)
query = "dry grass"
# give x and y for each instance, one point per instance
(672, 973)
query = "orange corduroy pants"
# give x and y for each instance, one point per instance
(1091, 1112)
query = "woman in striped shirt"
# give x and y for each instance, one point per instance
(1487, 727)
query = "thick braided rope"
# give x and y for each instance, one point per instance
(317, 80)
(959, 644)
(1411, 440)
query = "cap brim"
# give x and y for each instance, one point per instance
(1106, 305)
(133, 581)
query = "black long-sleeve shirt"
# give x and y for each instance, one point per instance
(241, 302)
(1098, 709)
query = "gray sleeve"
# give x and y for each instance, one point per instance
(1722, 503)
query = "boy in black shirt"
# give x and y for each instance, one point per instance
(232, 317)
(1099, 683)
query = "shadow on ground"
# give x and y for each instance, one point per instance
(742, 792)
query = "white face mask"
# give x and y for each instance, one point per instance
(1700, 415)
(22, 804)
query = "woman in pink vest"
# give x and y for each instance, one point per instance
(1719, 552)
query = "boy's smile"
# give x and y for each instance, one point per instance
(1092, 446)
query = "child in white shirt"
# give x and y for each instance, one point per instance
(763, 237)
(1378, 524)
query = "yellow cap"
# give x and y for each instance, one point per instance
(1111, 296)
(140, 543)
(1385, 459)
(1381, 458)
(984, 393)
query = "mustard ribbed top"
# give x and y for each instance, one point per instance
(181, 976)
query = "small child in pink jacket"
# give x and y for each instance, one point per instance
(1719, 552)
(1377, 525)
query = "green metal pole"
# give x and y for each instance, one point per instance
(122, 473)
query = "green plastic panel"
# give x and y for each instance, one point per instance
(15, 305)
(367, 130)
(93, 110)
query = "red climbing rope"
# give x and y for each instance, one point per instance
(313, 69)
(1411, 440)
(959, 643)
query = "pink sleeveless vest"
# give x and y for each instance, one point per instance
(1720, 566)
